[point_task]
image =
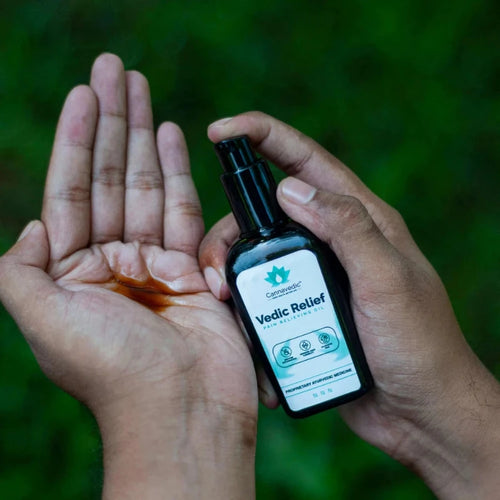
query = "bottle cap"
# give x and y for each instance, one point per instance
(249, 185)
(235, 154)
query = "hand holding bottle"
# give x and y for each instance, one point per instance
(435, 406)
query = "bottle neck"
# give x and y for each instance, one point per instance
(251, 192)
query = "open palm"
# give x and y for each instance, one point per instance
(119, 304)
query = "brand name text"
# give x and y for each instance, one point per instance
(294, 307)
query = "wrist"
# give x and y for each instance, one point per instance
(188, 448)
(457, 450)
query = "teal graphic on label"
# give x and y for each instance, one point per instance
(294, 317)
(277, 276)
(305, 347)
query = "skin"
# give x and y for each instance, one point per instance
(108, 292)
(435, 407)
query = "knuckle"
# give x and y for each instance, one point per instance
(77, 143)
(405, 279)
(393, 225)
(215, 244)
(300, 164)
(396, 216)
(186, 208)
(72, 194)
(257, 123)
(183, 247)
(145, 180)
(212, 252)
(109, 175)
(353, 214)
(99, 237)
(208, 255)
(209, 248)
(143, 238)
(401, 276)
(396, 285)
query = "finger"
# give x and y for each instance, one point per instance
(183, 223)
(345, 224)
(267, 394)
(25, 288)
(144, 193)
(302, 157)
(213, 254)
(108, 82)
(66, 203)
(293, 152)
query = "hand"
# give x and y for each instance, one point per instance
(435, 407)
(108, 292)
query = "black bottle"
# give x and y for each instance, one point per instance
(291, 292)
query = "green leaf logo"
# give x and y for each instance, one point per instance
(278, 276)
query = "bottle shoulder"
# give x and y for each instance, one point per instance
(260, 248)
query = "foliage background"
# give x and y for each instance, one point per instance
(404, 92)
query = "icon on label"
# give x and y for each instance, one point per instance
(324, 338)
(278, 276)
(305, 345)
(309, 346)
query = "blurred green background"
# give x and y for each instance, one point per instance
(404, 92)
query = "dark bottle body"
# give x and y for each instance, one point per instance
(269, 244)
(291, 292)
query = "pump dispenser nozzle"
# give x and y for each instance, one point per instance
(235, 154)
(249, 185)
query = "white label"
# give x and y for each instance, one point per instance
(293, 315)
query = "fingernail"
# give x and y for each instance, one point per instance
(214, 281)
(221, 122)
(27, 229)
(297, 191)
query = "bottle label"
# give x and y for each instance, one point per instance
(292, 312)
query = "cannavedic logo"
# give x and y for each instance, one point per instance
(278, 276)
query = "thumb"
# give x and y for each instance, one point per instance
(341, 221)
(23, 279)
(31, 248)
